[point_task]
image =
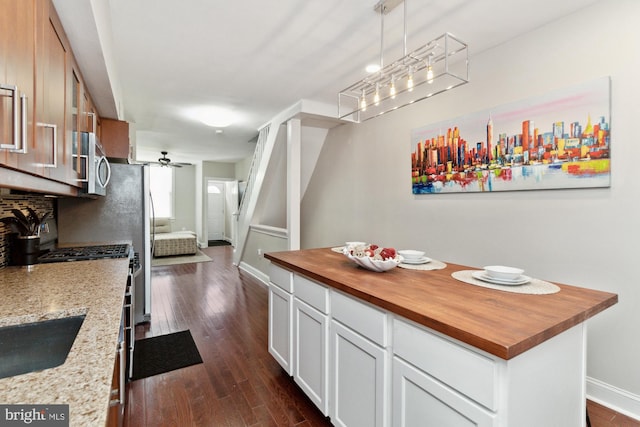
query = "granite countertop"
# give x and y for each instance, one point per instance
(501, 323)
(49, 291)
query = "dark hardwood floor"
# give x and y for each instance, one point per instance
(239, 383)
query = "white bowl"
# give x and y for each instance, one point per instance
(375, 264)
(503, 272)
(355, 244)
(411, 255)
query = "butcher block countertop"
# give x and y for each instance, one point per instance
(50, 291)
(501, 323)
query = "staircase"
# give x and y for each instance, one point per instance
(300, 114)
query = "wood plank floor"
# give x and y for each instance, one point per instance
(239, 383)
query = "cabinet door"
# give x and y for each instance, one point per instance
(51, 109)
(359, 380)
(311, 335)
(280, 326)
(17, 47)
(421, 401)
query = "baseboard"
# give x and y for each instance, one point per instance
(257, 274)
(613, 398)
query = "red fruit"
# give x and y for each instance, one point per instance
(373, 247)
(388, 253)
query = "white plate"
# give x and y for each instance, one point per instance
(481, 275)
(418, 261)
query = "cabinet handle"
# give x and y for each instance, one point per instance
(85, 172)
(23, 128)
(54, 141)
(93, 122)
(14, 117)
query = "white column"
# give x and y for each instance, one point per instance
(293, 182)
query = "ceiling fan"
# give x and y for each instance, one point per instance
(165, 161)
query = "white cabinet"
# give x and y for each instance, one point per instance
(363, 365)
(421, 401)
(280, 317)
(311, 341)
(359, 380)
(439, 383)
(280, 332)
(360, 363)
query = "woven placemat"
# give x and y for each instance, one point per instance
(431, 265)
(534, 287)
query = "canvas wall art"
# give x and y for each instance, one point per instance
(558, 140)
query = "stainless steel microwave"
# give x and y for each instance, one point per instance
(95, 171)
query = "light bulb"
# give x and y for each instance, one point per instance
(410, 80)
(392, 89)
(430, 74)
(376, 97)
(363, 101)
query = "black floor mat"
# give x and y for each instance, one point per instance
(218, 243)
(164, 353)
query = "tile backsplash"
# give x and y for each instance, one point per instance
(38, 203)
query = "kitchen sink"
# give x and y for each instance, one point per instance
(36, 346)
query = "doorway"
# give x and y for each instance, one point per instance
(215, 210)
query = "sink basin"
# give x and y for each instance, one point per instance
(35, 346)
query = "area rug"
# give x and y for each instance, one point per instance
(181, 259)
(164, 353)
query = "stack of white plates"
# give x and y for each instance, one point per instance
(411, 256)
(502, 275)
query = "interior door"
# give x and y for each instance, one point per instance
(215, 209)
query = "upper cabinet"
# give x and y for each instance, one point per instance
(52, 56)
(43, 100)
(17, 59)
(114, 137)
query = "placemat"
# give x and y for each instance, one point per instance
(431, 265)
(535, 286)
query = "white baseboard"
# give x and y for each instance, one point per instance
(613, 398)
(259, 275)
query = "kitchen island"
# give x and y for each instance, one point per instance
(50, 291)
(431, 347)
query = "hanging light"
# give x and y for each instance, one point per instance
(410, 80)
(429, 70)
(414, 69)
(392, 89)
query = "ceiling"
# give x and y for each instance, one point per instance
(151, 61)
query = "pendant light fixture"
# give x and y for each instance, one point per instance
(440, 65)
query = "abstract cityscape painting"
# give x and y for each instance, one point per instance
(558, 140)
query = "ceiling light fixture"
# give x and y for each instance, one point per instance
(438, 66)
(216, 117)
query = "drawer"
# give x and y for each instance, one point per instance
(281, 277)
(462, 369)
(361, 317)
(313, 293)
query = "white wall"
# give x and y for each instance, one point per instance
(360, 189)
(184, 199)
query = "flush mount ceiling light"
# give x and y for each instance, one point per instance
(214, 116)
(438, 66)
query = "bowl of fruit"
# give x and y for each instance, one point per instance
(374, 258)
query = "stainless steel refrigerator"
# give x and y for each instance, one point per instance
(123, 214)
